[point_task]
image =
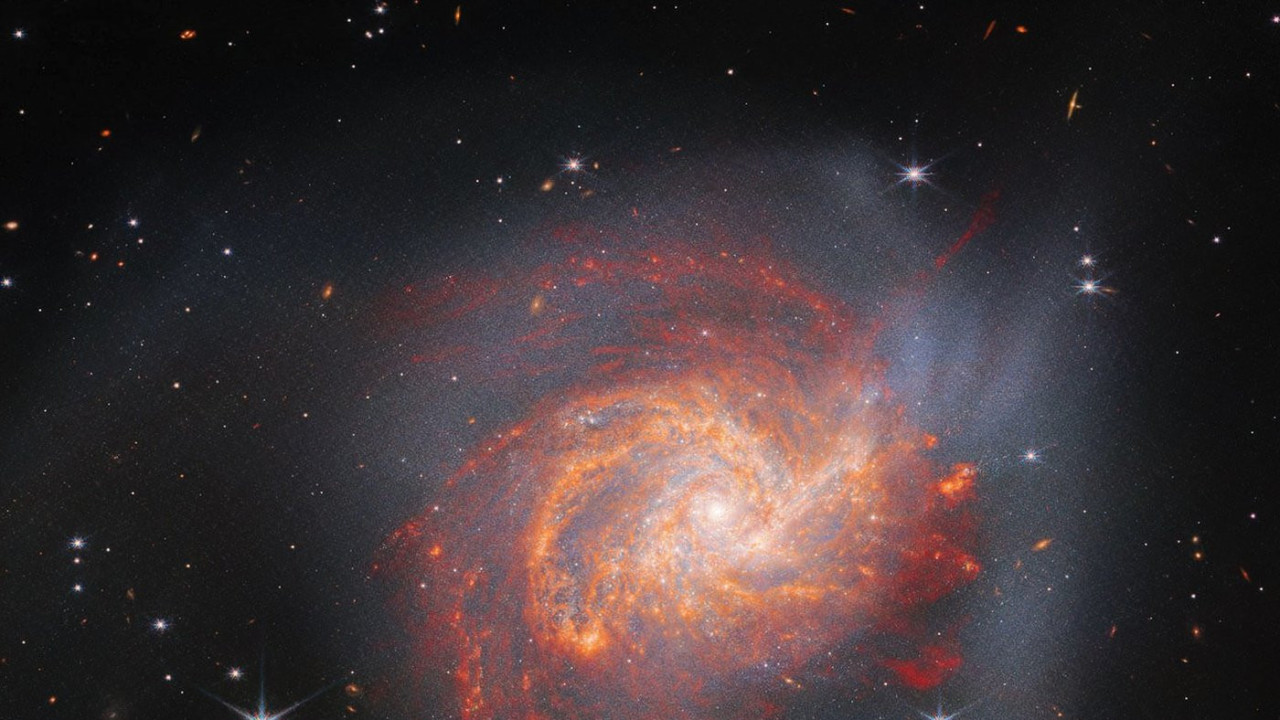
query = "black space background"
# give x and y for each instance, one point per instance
(1188, 426)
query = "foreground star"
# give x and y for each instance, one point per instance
(939, 714)
(1089, 286)
(261, 713)
(914, 175)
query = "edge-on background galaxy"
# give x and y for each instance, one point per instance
(714, 505)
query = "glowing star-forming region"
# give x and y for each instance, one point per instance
(716, 499)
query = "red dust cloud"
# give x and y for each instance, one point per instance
(713, 505)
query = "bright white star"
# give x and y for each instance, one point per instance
(914, 174)
(1089, 286)
(261, 712)
(940, 715)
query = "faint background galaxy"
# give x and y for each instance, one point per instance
(569, 361)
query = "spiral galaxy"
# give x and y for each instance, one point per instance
(710, 504)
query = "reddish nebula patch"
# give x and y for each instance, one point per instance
(712, 505)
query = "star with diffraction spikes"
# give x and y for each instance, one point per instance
(261, 712)
(939, 714)
(914, 175)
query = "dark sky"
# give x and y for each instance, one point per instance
(267, 282)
